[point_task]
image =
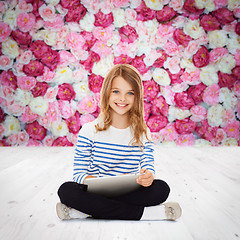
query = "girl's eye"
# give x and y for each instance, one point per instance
(115, 91)
(130, 93)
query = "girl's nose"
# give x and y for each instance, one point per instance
(122, 98)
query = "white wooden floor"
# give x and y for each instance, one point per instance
(205, 181)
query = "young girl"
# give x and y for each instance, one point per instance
(117, 142)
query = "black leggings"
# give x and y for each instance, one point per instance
(129, 206)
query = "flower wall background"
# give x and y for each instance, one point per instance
(54, 55)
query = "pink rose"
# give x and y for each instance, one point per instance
(36, 131)
(52, 114)
(5, 31)
(160, 61)
(76, 13)
(173, 64)
(85, 118)
(66, 58)
(24, 39)
(185, 126)
(103, 34)
(232, 129)
(204, 130)
(89, 40)
(7, 93)
(25, 21)
(189, 6)
(103, 20)
(211, 94)
(169, 132)
(183, 100)
(196, 92)
(147, 110)
(122, 3)
(201, 57)
(236, 88)
(4, 143)
(217, 54)
(40, 89)
(66, 109)
(12, 139)
(66, 92)
(101, 48)
(181, 38)
(151, 89)
(220, 3)
(47, 75)
(171, 48)
(2, 115)
(7, 78)
(74, 40)
(62, 142)
(51, 59)
(191, 77)
(157, 122)
(5, 62)
(223, 15)
(87, 105)
(95, 83)
(73, 123)
(34, 68)
(166, 14)
(198, 112)
(236, 12)
(209, 22)
(175, 78)
(47, 141)
(228, 116)
(123, 58)
(69, 4)
(219, 138)
(159, 105)
(56, 24)
(237, 28)
(128, 34)
(144, 13)
(226, 80)
(185, 140)
(25, 56)
(26, 83)
(34, 143)
(176, 4)
(47, 12)
(28, 116)
(236, 72)
(39, 48)
(165, 32)
(92, 58)
(138, 63)
(237, 57)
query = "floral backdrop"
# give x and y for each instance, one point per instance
(54, 55)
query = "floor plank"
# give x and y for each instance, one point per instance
(205, 181)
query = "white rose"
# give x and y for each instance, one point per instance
(232, 142)
(22, 97)
(215, 115)
(59, 129)
(232, 4)
(228, 98)
(87, 23)
(193, 29)
(233, 43)
(143, 48)
(38, 105)
(10, 17)
(202, 143)
(208, 75)
(114, 40)
(47, 12)
(155, 5)
(11, 126)
(63, 75)
(208, 4)
(50, 37)
(135, 3)
(227, 63)
(187, 63)
(119, 17)
(217, 38)
(81, 89)
(103, 66)
(177, 113)
(10, 48)
(52, 2)
(161, 76)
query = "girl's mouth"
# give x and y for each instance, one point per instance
(121, 105)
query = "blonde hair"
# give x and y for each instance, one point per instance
(133, 77)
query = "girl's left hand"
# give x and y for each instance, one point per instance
(146, 178)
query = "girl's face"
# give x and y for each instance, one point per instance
(121, 98)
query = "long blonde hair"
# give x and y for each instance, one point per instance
(133, 77)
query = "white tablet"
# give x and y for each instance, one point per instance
(112, 186)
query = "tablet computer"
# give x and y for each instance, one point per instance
(111, 186)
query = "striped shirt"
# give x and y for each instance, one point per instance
(108, 153)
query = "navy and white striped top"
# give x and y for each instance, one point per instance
(108, 153)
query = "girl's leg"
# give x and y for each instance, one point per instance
(74, 195)
(153, 195)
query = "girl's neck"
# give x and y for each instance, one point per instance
(120, 122)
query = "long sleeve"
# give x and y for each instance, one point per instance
(82, 156)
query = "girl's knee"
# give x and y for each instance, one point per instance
(163, 190)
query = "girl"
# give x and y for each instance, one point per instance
(117, 142)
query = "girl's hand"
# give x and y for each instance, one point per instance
(146, 178)
(88, 176)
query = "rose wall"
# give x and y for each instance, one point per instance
(54, 55)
